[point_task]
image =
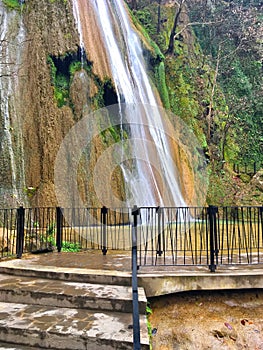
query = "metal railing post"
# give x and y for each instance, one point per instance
(159, 247)
(20, 232)
(212, 210)
(59, 220)
(136, 315)
(104, 212)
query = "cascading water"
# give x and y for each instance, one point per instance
(77, 19)
(133, 89)
(11, 155)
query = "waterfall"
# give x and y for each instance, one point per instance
(11, 152)
(77, 19)
(137, 104)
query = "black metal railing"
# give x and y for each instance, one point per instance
(8, 232)
(208, 236)
(201, 236)
(249, 168)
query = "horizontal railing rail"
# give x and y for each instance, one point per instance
(207, 236)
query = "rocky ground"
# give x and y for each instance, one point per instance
(232, 189)
(208, 320)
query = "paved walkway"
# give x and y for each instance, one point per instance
(120, 261)
(156, 280)
(52, 301)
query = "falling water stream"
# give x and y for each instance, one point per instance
(10, 53)
(151, 148)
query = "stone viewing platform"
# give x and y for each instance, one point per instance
(84, 300)
(115, 269)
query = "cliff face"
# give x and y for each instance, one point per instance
(51, 90)
(47, 98)
(50, 30)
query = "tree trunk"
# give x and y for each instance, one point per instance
(170, 49)
(224, 142)
(210, 108)
(134, 4)
(159, 17)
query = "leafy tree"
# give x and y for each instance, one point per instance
(233, 42)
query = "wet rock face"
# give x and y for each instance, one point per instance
(50, 30)
(11, 151)
(208, 320)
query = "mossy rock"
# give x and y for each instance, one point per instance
(245, 178)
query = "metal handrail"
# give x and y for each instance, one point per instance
(205, 236)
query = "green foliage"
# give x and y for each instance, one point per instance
(106, 94)
(239, 45)
(50, 234)
(149, 326)
(12, 4)
(66, 246)
(112, 133)
(238, 82)
(62, 70)
(155, 52)
(75, 67)
(53, 70)
(51, 229)
(145, 18)
(183, 99)
(161, 85)
(70, 247)
(148, 310)
(61, 89)
(60, 97)
(30, 191)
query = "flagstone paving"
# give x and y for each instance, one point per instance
(67, 308)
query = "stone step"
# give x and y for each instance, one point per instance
(19, 268)
(59, 293)
(4, 346)
(67, 329)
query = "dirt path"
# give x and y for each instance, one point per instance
(208, 320)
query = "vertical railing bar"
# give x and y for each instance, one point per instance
(20, 231)
(176, 234)
(250, 233)
(135, 301)
(258, 233)
(187, 220)
(170, 232)
(239, 235)
(165, 240)
(59, 221)
(211, 215)
(233, 234)
(261, 221)
(197, 245)
(104, 212)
